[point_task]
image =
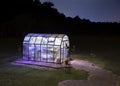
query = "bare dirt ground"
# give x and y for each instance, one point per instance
(97, 75)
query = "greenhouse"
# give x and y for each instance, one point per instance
(52, 48)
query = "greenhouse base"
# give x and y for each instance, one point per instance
(40, 64)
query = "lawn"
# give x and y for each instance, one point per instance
(14, 75)
(11, 75)
(103, 50)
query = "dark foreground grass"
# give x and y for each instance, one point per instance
(11, 75)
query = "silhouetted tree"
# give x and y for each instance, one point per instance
(48, 4)
(32, 16)
(76, 18)
(36, 3)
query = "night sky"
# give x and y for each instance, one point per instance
(94, 10)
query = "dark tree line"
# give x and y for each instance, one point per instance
(19, 17)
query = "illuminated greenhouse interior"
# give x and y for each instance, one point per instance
(46, 47)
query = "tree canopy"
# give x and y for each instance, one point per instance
(24, 16)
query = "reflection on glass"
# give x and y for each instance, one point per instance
(38, 40)
(58, 41)
(44, 41)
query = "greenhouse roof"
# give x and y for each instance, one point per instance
(51, 39)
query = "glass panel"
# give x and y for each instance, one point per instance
(25, 51)
(58, 41)
(31, 51)
(50, 57)
(54, 35)
(32, 40)
(65, 50)
(38, 40)
(66, 44)
(44, 53)
(60, 35)
(65, 38)
(26, 39)
(51, 41)
(62, 54)
(57, 55)
(44, 41)
(62, 45)
(30, 34)
(37, 52)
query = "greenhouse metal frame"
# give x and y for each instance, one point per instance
(52, 48)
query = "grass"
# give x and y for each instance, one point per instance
(104, 51)
(111, 64)
(98, 61)
(13, 75)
